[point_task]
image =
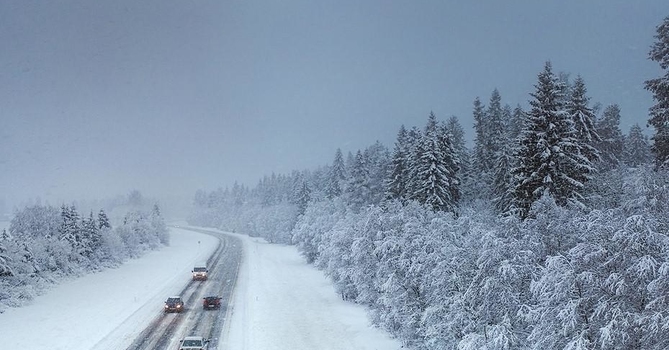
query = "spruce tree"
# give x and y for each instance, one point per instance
(303, 197)
(516, 123)
(584, 120)
(659, 112)
(377, 161)
(336, 176)
(69, 228)
(457, 132)
(5, 260)
(637, 149)
(611, 142)
(91, 239)
(479, 136)
(436, 169)
(414, 137)
(548, 158)
(452, 164)
(103, 220)
(494, 131)
(357, 190)
(398, 174)
(503, 179)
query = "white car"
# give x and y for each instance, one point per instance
(193, 343)
(200, 273)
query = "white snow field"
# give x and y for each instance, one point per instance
(280, 303)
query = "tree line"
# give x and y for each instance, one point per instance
(551, 232)
(45, 243)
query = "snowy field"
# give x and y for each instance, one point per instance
(282, 303)
(279, 303)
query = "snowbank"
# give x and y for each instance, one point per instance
(281, 302)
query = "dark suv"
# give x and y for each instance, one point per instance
(174, 304)
(211, 303)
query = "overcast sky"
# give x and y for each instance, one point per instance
(101, 97)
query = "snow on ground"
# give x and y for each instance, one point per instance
(108, 308)
(280, 302)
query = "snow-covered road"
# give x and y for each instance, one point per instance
(279, 303)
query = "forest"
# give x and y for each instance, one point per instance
(551, 232)
(45, 244)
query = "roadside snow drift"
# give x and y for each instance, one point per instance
(280, 302)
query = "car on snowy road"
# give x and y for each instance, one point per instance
(174, 304)
(211, 302)
(200, 273)
(193, 343)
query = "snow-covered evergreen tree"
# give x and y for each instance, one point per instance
(103, 220)
(5, 259)
(494, 131)
(584, 120)
(548, 158)
(489, 125)
(377, 161)
(516, 123)
(503, 179)
(336, 176)
(659, 112)
(479, 161)
(637, 148)
(612, 141)
(396, 183)
(91, 239)
(158, 226)
(468, 183)
(357, 190)
(303, 197)
(414, 139)
(457, 132)
(452, 163)
(436, 169)
(71, 232)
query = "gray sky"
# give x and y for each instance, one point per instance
(98, 98)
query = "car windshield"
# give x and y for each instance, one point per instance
(172, 300)
(191, 342)
(200, 269)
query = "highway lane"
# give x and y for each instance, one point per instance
(165, 330)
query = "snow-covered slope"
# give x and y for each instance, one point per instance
(280, 303)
